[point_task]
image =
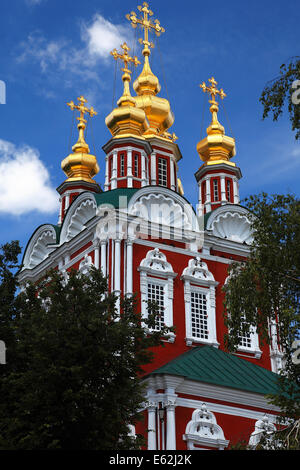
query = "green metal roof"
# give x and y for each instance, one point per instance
(211, 365)
(113, 197)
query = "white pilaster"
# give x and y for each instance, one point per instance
(129, 168)
(129, 272)
(106, 173)
(208, 195)
(96, 254)
(103, 257)
(236, 197)
(114, 170)
(117, 271)
(143, 157)
(223, 190)
(153, 168)
(172, 171)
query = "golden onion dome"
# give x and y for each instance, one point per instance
(81, 165)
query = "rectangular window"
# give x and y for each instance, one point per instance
(122, 164)
(199, 320)
(162, 172)
(216, 190)
(228, 190)
(136, 165)
(245, 338)
(156, 294)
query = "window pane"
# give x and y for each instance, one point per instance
(162, 172)
(199, 315)
(156, 294)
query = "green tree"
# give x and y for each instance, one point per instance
(284, 89)
(72, 378)
(265, 291)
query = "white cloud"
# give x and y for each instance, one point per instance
(97, 39)
(25, 181)
(101, 36)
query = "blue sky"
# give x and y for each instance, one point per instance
(54, 50)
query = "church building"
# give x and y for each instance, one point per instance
(147, 238)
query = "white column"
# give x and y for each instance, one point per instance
(236, 197)
(208, 197)
(114, 170)
(153, 168)
(117, 271)
(96, 254)
(103, 257)
(106, 173)
(151, 425)
(171, 426)
(129, 272)
(129, 168)
(223, 190)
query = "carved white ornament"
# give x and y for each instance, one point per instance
(263, 427)
(203, 430)
(86, 264)
(233, 226)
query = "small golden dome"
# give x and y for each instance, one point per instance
(81, 165)
(216, 147)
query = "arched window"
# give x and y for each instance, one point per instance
(156, 281)
(200, 303)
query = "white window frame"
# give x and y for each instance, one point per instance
(122, 164)
(156, 269)
(197, 278)
(136, 165)
(228, 190)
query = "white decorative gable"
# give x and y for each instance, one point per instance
(81, 211)
(203, 430)
(156, 261)
(231, 223)
(40, 246)
(197, 270)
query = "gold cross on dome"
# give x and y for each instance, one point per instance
(82, 108)
(125, 57)
(145, 24)
(212, 90)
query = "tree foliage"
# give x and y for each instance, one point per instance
(72, 378)
(280, 90)
(265, 292)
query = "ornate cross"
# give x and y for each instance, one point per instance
(212, 90)
(125, 57)
(81, 145)
(82, 108)
(145, 24)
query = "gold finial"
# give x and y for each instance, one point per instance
(81, 145)
(146, 25)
